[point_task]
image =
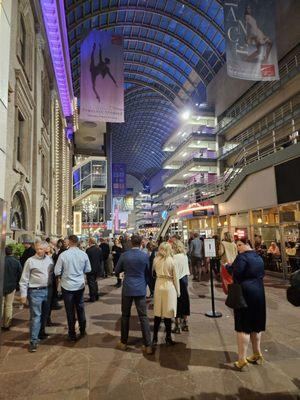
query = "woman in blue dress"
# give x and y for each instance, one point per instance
(248, 271)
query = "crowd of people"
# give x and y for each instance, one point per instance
(47, 267)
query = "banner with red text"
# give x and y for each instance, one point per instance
(251, 52)
(102, 78)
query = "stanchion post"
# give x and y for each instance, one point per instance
(210, 251)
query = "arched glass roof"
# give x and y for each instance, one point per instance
(172, 51)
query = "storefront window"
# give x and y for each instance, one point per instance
(290, 221)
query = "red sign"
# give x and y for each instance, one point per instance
(267, 70)
(117, 40)
(241, 233)
(196, 205)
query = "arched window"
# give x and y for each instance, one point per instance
(43, 220)
(18, 215)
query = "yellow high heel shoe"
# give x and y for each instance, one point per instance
(256, 358)
(240, 364)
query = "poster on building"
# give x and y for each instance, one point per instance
(124, 204)
(77, 221)
(118, 180)
(102, 77)
(251, 52)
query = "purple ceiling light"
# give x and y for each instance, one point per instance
(52, 25)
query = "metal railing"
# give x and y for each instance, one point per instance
(272, 121)
(225, 180)
(288, 68)
(185, 164)
(206, 137)
(246, 156)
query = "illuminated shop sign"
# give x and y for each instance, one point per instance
(205, 208)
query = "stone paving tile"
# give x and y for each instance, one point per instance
(198, 367)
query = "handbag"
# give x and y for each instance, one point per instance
(226, 279)
(293, 296)
(235, 298)
(293, 292)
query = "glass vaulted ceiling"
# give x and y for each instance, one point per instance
(172, 51)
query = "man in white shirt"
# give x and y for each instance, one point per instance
(35, 284)
(71, 266)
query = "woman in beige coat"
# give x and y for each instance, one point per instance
(166, 291)
(227, 250)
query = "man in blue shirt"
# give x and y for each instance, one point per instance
(71, 266)
(12, 275)
(135, 265)
(196, 253)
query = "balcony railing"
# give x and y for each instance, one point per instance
(223, 182)
(288, 68)
(185, 164)
(199, 192)
(194, 136)
(272, 121)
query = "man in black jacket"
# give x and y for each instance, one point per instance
(12, 275)
(29, 249)
(96, 259)
(104, 246)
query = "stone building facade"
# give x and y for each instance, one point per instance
(38, 154)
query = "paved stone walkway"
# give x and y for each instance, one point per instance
(198, 367)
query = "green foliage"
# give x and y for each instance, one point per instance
(18, 249)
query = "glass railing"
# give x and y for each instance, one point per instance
(89, 175)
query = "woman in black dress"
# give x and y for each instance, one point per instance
(248, 271)
(183, 272)
(116, 251)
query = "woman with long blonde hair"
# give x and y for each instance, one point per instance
(166, 291)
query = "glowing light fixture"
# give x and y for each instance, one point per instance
(219, 224)
(196, 208)
(225, 223)
(56, 44)
(259, 220)
(186, 115)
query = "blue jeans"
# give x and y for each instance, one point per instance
(39, 305)
(74, 300)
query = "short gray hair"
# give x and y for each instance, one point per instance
(42, 243)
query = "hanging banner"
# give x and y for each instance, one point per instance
(102, 78)
(118, 180)
(250, 39)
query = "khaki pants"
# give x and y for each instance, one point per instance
(7, 308)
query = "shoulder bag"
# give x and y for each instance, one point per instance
(235, 298)
(293, 292)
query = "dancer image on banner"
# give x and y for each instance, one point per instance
(256, 36)
(102, 68)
